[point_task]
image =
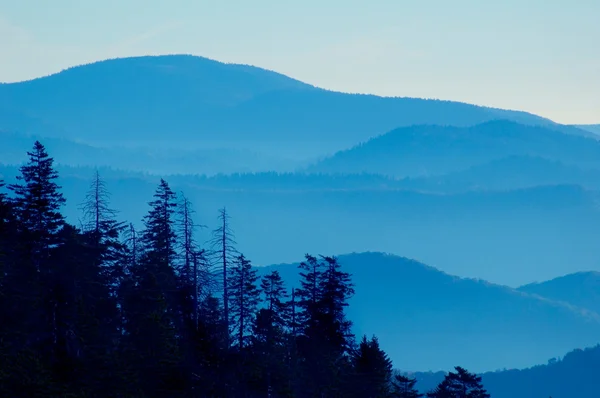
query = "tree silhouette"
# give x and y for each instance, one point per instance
(460, 384)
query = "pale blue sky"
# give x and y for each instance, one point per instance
(541, 56)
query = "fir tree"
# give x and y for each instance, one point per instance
(404, 387)
(460, 384)
(244, 297)
(372, 370)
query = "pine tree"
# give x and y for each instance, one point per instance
(325, 336)
(404, 387)
(37, 203)
(372, 370)
(460, 384)
(103, 232)
(271, 334)
(275, 299)
(244, 297)
(150, 300)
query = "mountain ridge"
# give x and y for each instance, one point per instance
(403, 301)
(201, 102)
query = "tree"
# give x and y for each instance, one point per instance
(459, 384)
(103, 231)
(372, 370)
(325, 336)
(150, 300)
(271, 334)
(244, 298)
(223, 253)
(404, 387)
(37, 203)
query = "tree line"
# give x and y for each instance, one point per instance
(105, 310)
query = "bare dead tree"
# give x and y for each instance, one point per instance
(222, 254)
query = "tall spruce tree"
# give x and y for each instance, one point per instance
(103, 232)
(37, 202)
(271, 335)
(244, 297)
(325, 336)
(372, 370)
(150, 302)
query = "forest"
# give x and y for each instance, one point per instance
(104, 310)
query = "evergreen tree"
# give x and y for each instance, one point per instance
(30, 283)
(325, 336)
(37, 204)
(372, 370)
(244, 297)
(459, 384)
(271, 335)
(150, 300)
(404, 387)
(103, 232)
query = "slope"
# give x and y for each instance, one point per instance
(511, 172)
(181, 100)
(554, 226)
(574, 375)
(581, 289)
(426, 319)
(429, 150)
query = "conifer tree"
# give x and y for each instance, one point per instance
(150, 302)
(372, 370)
(103, 231)
(404, 387)
(325, 336)
(37, 203)
(244, 297)
(460, 384)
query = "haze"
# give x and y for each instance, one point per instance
(539, 56)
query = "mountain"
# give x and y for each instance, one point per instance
(581, 289)
(557, 226)
(509, 173)
(427, 319)
(592, 128)
(193, 102)
(574, 375)
(208, 161)
(428, 149)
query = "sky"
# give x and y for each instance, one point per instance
(540, 56)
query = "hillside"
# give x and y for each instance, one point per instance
(457, 233)
(581, 289)
(592, 128)
(511, 172)
(574, 375)
(426, 319)
(145, 159)
(429, 150)
(180, 100)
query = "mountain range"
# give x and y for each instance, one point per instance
(424, 317)
(505, 196)
(431, 149)
(192, 102)
(573, 375)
